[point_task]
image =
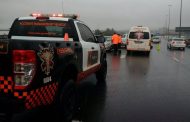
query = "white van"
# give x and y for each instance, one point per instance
(139, 39)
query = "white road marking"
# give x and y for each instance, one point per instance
(122, 56)
(175, 59)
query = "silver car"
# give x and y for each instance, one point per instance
(176, 43)
(108, 43)
(156, 39)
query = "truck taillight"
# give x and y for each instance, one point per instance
(127, 42)
(24, 62)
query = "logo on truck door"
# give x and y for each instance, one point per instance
(46, 56)
(92, 58)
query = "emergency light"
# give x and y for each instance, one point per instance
(73, 16)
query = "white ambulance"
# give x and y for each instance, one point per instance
(139, 39)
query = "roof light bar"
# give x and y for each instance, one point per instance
(73, 16)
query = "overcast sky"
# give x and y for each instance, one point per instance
(101, 14)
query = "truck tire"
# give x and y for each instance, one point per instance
(66, 102)
(102, 72)
(7, 117)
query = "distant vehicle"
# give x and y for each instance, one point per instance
(124, 40)
(156, 39)
(139, 39)
(187, 42)
(108, 43)
(176, 43)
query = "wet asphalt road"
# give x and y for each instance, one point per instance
(138, 89)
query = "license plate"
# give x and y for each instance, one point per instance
(141, 48)
(3, 47)
(138, 42)
(179, 42)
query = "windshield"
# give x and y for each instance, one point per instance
(139, 35)
(45, 28)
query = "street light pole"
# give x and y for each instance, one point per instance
(169, 21)
(166, 25)
(180, 19)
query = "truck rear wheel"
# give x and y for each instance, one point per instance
(102, 72)
(66, 103)
(6, 117)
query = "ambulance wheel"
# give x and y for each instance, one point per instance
(102, 72)
(119, 51)
(147, 53)
(128, 52)
(66, 105)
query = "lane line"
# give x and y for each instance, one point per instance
(175, 59)
(122, 56)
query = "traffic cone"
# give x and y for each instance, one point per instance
(66, 37)
(158, 47)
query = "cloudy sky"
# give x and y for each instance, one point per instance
(101, 14)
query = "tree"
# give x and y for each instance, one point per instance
(109, 32)
(97, 32)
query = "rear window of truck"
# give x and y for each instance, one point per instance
(45, 28)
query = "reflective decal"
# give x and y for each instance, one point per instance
(47, 79)
(41, 96)
(63, 51)
(6, 84)
(25, 23)
(85, 74)
(46, 56)
(92, 58)
(42, 33)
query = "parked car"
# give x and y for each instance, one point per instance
(108, 43)
(156, 39)
(124, 40)
(176, 43)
